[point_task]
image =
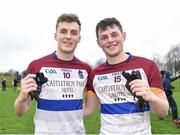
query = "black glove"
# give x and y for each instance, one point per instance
(130, 77)
(40, 80)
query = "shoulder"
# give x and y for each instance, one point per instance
(147, 64)
(36, 64)
(40, 60)
(43, 59)
(82, 63)
(76, 63)
(142, 60)
(100, 69)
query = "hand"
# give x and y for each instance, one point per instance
(141, 88)
(28, 84)
(172, 87)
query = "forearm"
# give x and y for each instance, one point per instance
(90, 104)
(22, 105)
(86, 111)
(174, 78)
(159, 105)
(23, 101)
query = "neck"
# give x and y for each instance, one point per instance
(64, 56)
(117, 59)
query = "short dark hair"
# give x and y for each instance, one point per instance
(68, 17)
(108, 22)
(162, 72)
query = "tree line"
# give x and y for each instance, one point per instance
(171, 61)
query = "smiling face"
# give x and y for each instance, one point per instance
(67, 36)
(111, 41)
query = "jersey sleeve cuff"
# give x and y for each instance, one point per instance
(91, 93)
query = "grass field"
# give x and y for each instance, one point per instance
(11, 124)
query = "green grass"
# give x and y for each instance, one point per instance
(92, 123)
(167, 126)
(11, 124)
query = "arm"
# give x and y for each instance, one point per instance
(23, 101)
(91, 102)
(154, 96)
(174, 78)
(159, 104)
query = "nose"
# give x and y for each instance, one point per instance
(68, 35)
(110, 39)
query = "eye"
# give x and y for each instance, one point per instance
(63, 31)
(74, 32)
(103, 37)
(114, 34)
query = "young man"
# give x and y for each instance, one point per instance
(169, 94)
(127, 86)
(59, 109)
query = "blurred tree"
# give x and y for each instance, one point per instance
(173, 59)
(159, 60)
(12, 72)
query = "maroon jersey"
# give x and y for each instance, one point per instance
(133, 62)
(59, 109)
(52, 61)
(120, 113)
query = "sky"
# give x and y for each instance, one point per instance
(27, 28)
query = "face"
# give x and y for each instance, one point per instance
(67, 36)
(111, 41)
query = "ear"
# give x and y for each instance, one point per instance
(55, 36)
(79, 38)
(124, 36)
(98, 43)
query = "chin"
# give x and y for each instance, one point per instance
(68, 51)
(112, 54)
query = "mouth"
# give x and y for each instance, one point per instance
(111, 46)
(67, 43)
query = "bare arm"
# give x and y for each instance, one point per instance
(91, 103)
(159, 104)
(22, 105)
(155, 97)
(23, 101)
